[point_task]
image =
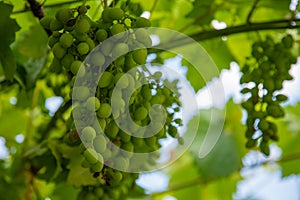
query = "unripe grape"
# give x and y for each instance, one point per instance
(66, 40)
(83, 48)
(124, 136)
(82, 10)
(121, 163)
(106, 79)
(88, 134)
(116, 13)
(140, 113)
(75, 66)
(263, 125)
(79, 36)
(140, 56)
(81, 92)
(143, 36)
(100, 143)
(172, 130)
(106, 15)
(64, 15)
(97, 59)
(117, 28)
(142, 22)
(91, 43)
(251, 143)
(114, 193)
(99, 192)
(97, 167)
(85, 164)
(101, 35)
(91, 155)
(288, 41)
(120, 49)
(59, 51)
(52, 41)
(67, 60)
(82, 25)
(281, 97)
(92, 104)
(128, 146)
(56, 25)
(121, 80)
(46, 21)
(112, 129)
(104, 110)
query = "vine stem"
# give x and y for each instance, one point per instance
(201, 180)
(205, 35)
(254, 6)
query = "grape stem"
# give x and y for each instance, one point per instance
(205, 35)
(254, 6)
(200, 180)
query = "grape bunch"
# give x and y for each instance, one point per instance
(263, 77)
(132, 108)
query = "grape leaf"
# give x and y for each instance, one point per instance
(8, 29)
(62, 192)
(33, 43)
(78, 176)
(201, 7)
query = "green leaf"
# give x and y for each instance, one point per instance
(78, 176)
(8, 29)
(33, 43)
(183, 171)
(201, 7)
(62, 192)
(219, 52)
(289, 137)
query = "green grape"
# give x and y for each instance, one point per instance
(92, 104)
(102, 123)
(281, 97)
(88, 133)
(91, 156)
(97, 59)
(172, 130)
(288, 41)
(112, 129)
(67, 61)
(104, 111)
(81, 92)
(55, 65)
(116, 13)
(66, 40)
(106, 79)
(97, 167)
(142, 22)
(142, 36)
(151, 141)
(128, 146)
(56, 25)
(140, 56)
(82, 10)
(121, 163)
(117, 28)
(99, 192)
(46, 21)
(140, 113)
(106, 15)
(121, 80)
(91, 43)
(101, 35)
(79, 36)
(275, 111)
(64, 15)
(59, 51)
(83, 48)
(100, 143)
(106, 48)
(75, 66)
(52, 41)
(82, 25)
(124, 136)
(120, 49)
(114, 193)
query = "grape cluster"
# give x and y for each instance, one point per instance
(266, 74)
(123, 91)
